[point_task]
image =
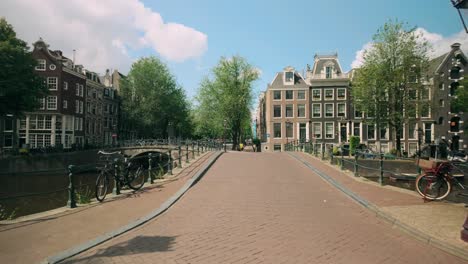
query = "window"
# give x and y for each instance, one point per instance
(42, 104)
(277, 111)
(425, 93)
(301, 95)
(289, 129)
(441, 86)
(88, 107)
(357, 129)
(317, 130)
(48, 122)
(52, 103)
(316, 94)
(81, 90)
(81, 107)
(106, 122)
(383, 132)
(441, 103)
(289, 77)
(77, 106)
(52, 67)
(301, 110)
(77, 89)
(8, 141)
(412, 130)
(65, 104)
(412, 94)
(357, 114)
(277, 147)
(41, 65)
(276, 95)
(289, 110)
(412, 148)
(316, 110)
(328, 110)
(277, 130)
(22, 123)
(8, 124)
(329, 127)
(370, 132)
(65, 86)
(289, 95)
(341, 109)
(328, 94)
(328, 72)
(425, 111)
(52, 83)
(427, 133)
(341, 93)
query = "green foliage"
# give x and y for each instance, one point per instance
(353, 143)
(225, 100)
(336, 150)
(460, 103)
(389, 85)
(20, 87)
(84, 196)
(152, 101)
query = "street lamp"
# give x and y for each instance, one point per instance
(461, 4)
(224, 134)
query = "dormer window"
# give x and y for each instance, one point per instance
(41, 65)
(328, 72)
(289, 77)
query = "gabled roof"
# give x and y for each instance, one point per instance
(299, 81)
(435, 63)
(322, 60)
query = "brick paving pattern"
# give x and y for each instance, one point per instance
(264, 208)
(32, 241)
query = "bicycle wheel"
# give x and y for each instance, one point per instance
(135, 178)
(102, 183)
(433, 187)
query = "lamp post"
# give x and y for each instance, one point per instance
(288, 123)
(224, 134)
(461, 4)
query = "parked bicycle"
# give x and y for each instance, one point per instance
(436, 182)
(126, 172)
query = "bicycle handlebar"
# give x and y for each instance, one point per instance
(109, 153)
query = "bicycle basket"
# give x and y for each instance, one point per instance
(426, 164)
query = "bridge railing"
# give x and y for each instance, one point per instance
(75, 183)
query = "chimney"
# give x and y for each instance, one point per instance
(455, 45)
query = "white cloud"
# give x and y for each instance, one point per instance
(439, 43)
(104, 33)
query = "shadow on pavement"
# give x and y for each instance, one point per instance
(136, 245)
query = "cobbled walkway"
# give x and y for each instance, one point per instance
(264, 208)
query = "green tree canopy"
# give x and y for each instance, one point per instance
(225, 100)
(153, 103)
(389, 87)
(20, 87)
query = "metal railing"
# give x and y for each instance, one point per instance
(156, 163)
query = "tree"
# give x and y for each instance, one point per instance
(225, 100)
(20, 87)
(460, 103)
(389, 87)
(152, 101)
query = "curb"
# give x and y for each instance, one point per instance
(166, 205)
(421, 236)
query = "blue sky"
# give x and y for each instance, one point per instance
(191, 36)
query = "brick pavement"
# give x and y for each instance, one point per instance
(32, 241)
(264, 208)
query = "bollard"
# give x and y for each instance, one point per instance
(355, 164)
(193, 150)
(169, 168)
(180, 156)
(342, 159)
(186, 154)
(150, 168)
(322, 151)
(198, 148)
(331, 157)
(381, 170)
(116, 190)
(71, 188)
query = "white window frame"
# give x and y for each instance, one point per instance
(42, 104)
(65, 86)
(81, 107)
(320, 93)
(281, 111)
(305, 95)
(325, 110)
(77, 107)
(337, 110)
(338, 89)
(51, 108)
(77, 89)
(325, 94)
(333, 130)
(49, 79)
(286, 92)
(281, 130)
(387, 131)
(281, 95)
(313, 130)
(428, 112)
(375, 132)
(81, 90)
(40, 63)
(286, 130)
(360, 130)
(320, 112)
(285, 80)
(415, 147)
(65, 104)
(285, 111)
(305, 111)
(415, 132)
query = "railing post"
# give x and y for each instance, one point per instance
(180, 156)
(193, 150)
(150, 168)
(186, 154)
(116, 190)
(381, 170)
(169, 168)
(331, 156)
(198, 148)
(71, 188)
(322, 152)
(355, 164)
(342, 158)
